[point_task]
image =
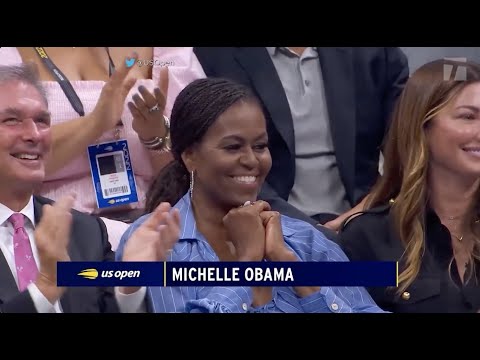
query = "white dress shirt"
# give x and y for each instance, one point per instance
(6, 246)
(132, 303)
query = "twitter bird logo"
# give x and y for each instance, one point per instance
(129, 62)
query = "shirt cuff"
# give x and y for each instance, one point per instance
(131, 303)
(324, 300)
(42, 305)
(223, 300)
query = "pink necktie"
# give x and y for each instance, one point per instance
(24, 261)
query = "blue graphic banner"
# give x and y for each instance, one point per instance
(163, 274)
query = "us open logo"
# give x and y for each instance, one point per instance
(455, 72)
(93, 274)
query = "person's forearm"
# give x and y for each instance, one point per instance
(49, 289)
(70, 139)
(159, 160)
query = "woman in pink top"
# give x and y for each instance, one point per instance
(87, 69)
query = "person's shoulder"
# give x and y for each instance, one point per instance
(77, 215)
(292, 225)
(383, 57)
(136, 224)
(80, 217)
(182, 206)
(87, 226)
(85, 221)
(294, 229)
(43, 200)
(309, 242)
(372, 217)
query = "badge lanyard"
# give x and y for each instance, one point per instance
(67, 87)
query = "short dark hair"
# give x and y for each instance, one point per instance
(195, 110)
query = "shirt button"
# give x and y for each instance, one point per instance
(334, 307)
(307, 82)
(244, 307)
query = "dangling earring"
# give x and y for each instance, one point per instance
(192, 180)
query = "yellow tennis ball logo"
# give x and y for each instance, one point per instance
(91, 274)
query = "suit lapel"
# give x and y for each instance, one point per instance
(338, 78)
(67, 299)
(261, 70)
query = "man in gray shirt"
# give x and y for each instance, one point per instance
(327, 111)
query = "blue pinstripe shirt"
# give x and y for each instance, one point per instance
(303, 239)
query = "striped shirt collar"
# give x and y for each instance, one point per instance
(189, 229)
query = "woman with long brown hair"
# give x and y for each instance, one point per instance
(424, 211)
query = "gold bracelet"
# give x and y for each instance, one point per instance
(159, 145)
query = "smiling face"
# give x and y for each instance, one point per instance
(232, 159)
(453, 135)
(25, 136)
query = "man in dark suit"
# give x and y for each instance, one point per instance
(327, 111)
(36, 233)
(88, 242)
